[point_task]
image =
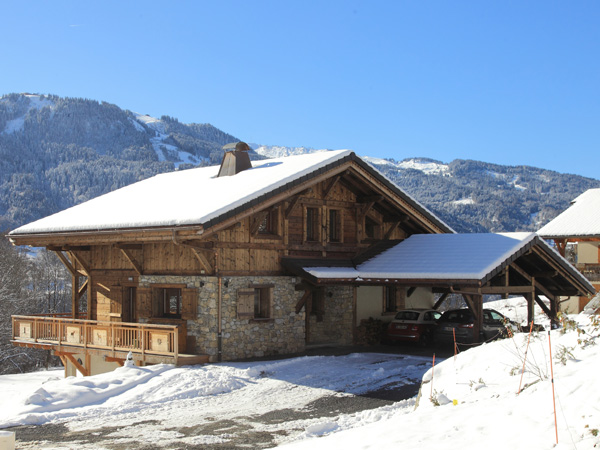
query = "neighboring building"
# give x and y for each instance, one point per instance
(215, 264)
(579, 225)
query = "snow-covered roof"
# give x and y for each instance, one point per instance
(581, 219)
(195, 196)
(438, 257)
(435, 256)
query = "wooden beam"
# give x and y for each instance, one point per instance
(82, 289)
(294, 201)
(136, 265)
(119, 361)
(561, 245)
(391, 230)
(80, 261)
(542, 305)
(65, 261)
(85, 372)
(203, 260)
(555, 265)
(303, 300)
(441, 300)
(331, 185)
(130, 246)
(493, 290)
(521, 272)
(256, 220)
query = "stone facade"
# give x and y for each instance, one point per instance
(337, 324)
(282, 333)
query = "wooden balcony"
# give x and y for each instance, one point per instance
(590, 271)
(149, 343)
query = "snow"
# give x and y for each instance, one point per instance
(185, 396)
(436, 256)
(485, 401)
(426, 166)
(480, 406)
(35, 102)
(164, 151)
(582, 218)
(464, 201)
(274, 151)
(182, 198)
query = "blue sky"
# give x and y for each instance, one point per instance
(508, 82)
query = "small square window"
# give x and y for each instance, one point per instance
(269, 223)
(167, 302)
(255, 302)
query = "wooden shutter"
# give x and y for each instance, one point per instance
(144, 303)
(189, 302)
(116, 303)
(245, 303)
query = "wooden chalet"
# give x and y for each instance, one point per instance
(579, 225)
(213, 263)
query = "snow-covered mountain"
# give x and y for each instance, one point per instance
(56, 152)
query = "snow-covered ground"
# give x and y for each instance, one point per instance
(467, 402)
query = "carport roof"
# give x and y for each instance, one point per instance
(444, 259)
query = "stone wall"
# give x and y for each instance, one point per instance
(242, 338)
(336, 326)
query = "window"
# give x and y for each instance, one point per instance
(255, 302)
(389, 299)
(372, 228)
(335, 225)
(312, 224)
(167, 302)
(262, 303)
(269, 224)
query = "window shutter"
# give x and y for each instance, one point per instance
(245, 303)
(189, 302)
(116, 302)
(144, 303)
(157, 302)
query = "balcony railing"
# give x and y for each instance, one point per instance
(590, 271)
(139, 338)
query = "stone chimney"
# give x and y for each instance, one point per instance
(235, 159)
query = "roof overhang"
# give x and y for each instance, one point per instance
(512, 263)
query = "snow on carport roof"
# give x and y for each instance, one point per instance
(436, 256)
(581, 219)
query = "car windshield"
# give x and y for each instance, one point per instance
(407, 315)
(460, 316)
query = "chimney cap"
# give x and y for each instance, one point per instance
(237, 146)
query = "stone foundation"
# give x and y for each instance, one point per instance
(336, 326)
(282, 333)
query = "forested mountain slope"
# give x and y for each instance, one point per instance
(56, 152)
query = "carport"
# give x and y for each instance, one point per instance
(471, 265)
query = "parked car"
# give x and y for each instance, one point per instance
(413, 325)
(460, 322)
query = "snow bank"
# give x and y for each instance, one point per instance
(473, 401)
